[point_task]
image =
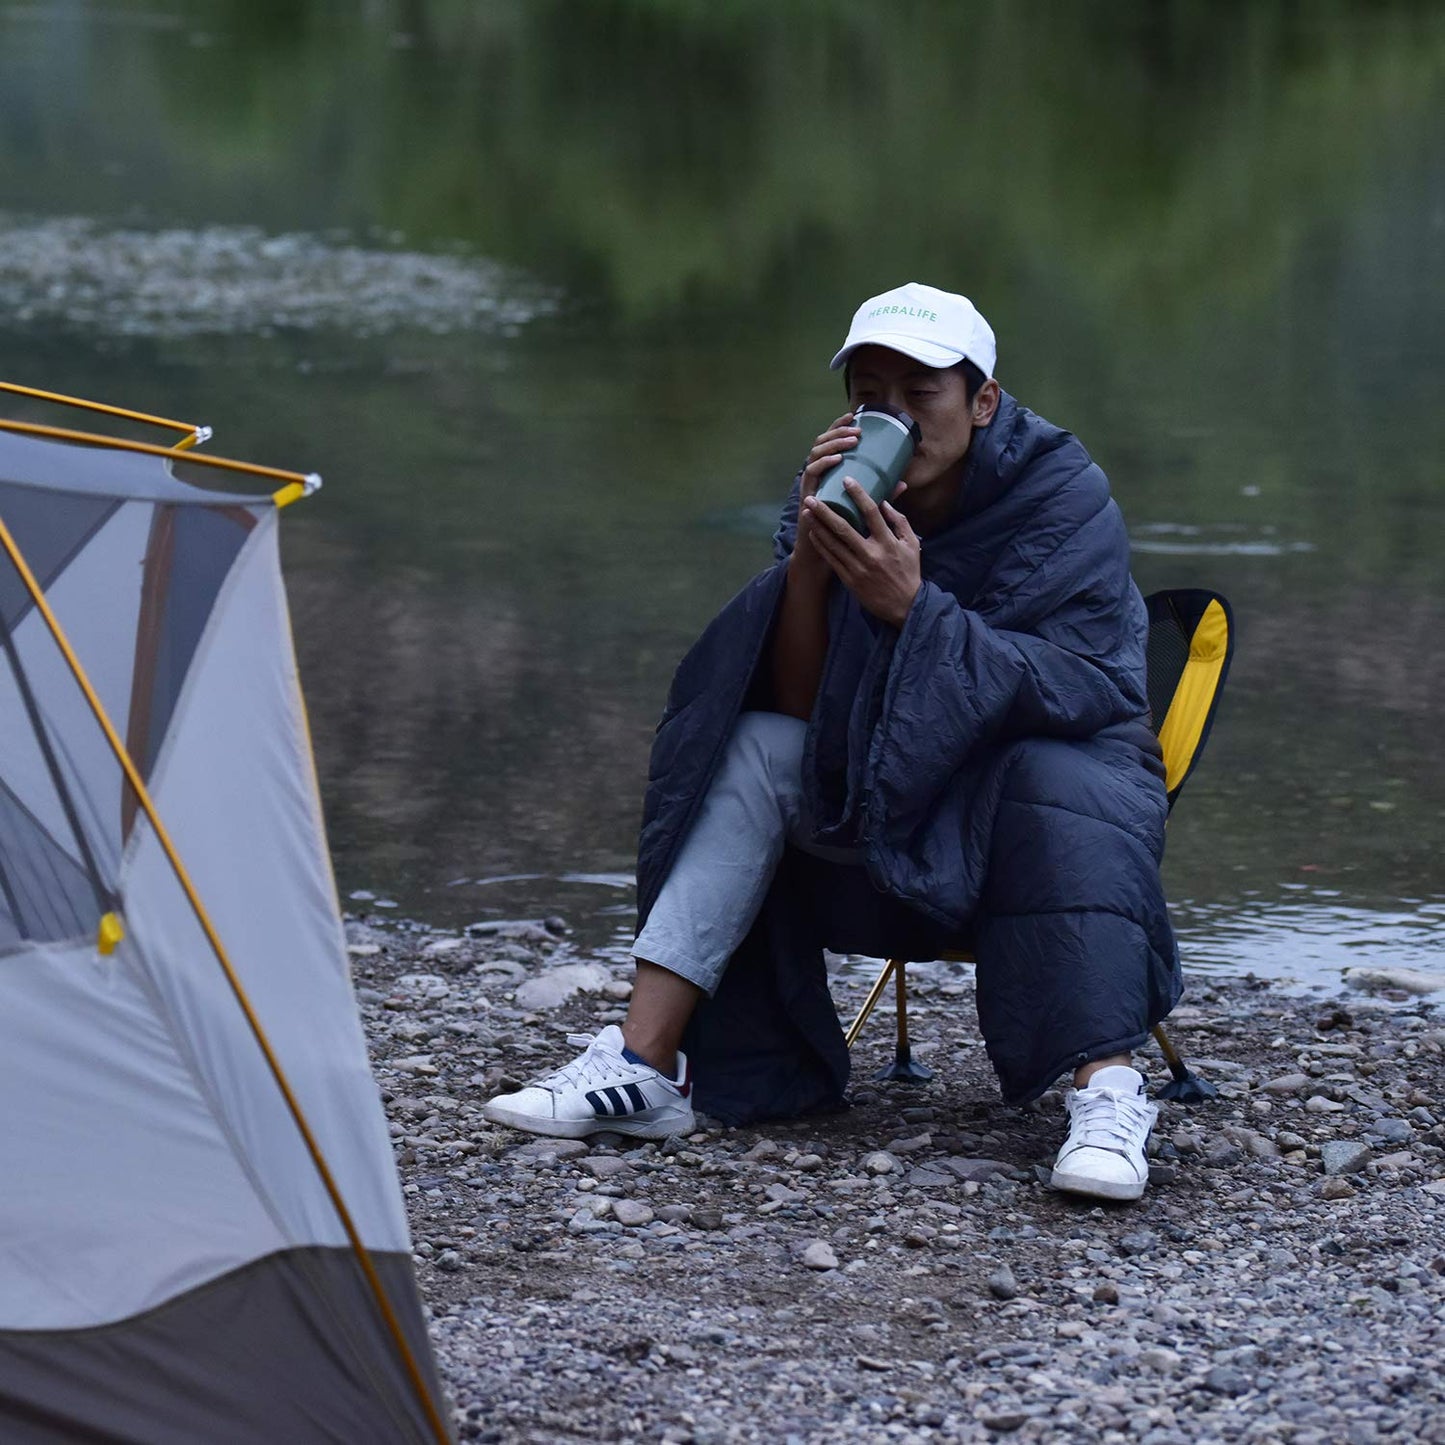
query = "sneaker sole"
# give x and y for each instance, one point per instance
(581, 1128)
(1097, 1188)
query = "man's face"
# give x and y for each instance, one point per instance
(936, 400)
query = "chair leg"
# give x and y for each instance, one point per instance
(874, 994)
(1186, 1087)
(903, 1069)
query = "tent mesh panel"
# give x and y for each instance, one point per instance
(44, 893)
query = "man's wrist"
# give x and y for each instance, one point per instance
(807, 566)
(900, 618)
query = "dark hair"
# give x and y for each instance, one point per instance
(973, 378)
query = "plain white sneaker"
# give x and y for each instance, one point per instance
(1109, 1124)
(601, 1091)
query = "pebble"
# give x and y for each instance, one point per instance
(1225, 1380)
(1159, 1358)
(1003, 1421)
(820, 1255)
(978, 1170)
(1002, 1284)
(1344, 1156)
(910, 1146)
(631, 1212)
(1391, 1131)
(1140, 1242)
(925, 1178)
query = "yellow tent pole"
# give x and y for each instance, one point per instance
(307, 481)
(293, 1105)
(197, 433)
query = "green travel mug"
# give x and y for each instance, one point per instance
(886, 443)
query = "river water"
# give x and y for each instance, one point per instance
(546, 290)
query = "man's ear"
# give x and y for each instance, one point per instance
(985, 402)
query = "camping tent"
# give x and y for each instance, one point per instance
(201, 1233)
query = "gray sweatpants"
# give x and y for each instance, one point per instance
(726, 863)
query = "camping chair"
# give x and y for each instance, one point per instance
(1191, 642)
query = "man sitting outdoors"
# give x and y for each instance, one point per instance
(932, 737)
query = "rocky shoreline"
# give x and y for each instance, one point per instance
(899, 1270)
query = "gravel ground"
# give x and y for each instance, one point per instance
(899, 1271)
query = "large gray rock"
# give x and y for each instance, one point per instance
(1344, 1156)
(557, 985)
(976, 1169)
(422, 986)
(1408, 980)
(926, 1177)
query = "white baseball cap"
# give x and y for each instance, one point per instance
(938, 328)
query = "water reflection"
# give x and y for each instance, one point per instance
(595, 259)
(1311, 938)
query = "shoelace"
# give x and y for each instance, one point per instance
(592, 1067)
(1108, 1119)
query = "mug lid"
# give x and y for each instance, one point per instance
(900, 419)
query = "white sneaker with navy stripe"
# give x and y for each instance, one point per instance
(601, 1090)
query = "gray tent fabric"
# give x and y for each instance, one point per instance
(99, 472)
(172, 1268)
(249, 1358)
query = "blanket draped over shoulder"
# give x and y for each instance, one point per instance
(1006, 721)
